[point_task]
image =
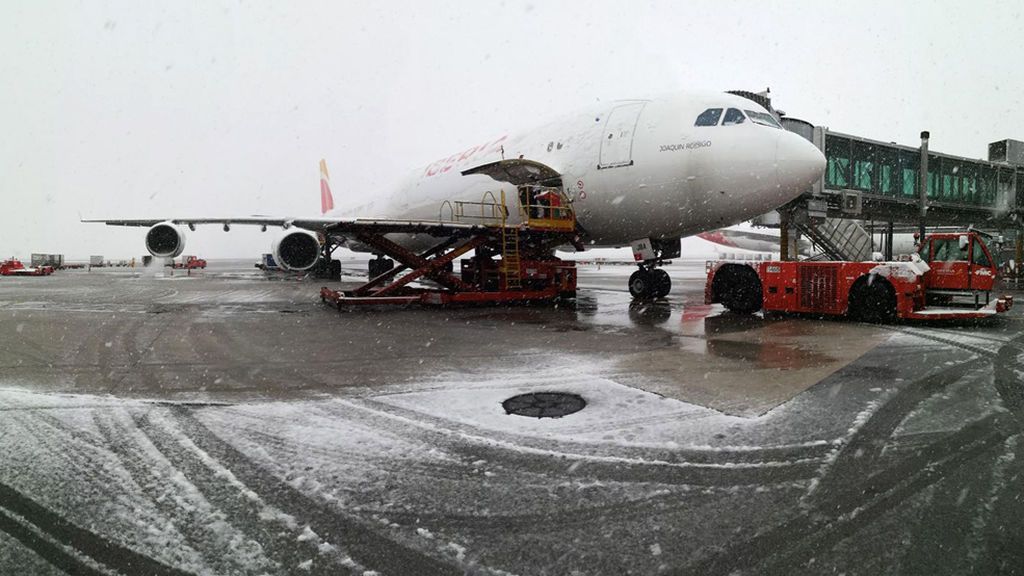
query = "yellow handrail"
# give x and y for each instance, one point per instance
(490, 211)
(451, 212)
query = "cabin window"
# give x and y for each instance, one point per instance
(979, 256)
(763, 118)
(733, 116)
(948, 250)
(709, 117)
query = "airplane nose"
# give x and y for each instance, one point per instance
(798, 164)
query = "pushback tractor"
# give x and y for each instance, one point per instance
(952, 276)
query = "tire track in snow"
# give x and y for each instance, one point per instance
(862, 451)
(203, 527)
(1004, 552)
(98, 548)
(952, 518)
(1007, 377)
(840, 501)
(58, 556)
(365, 546)
(241, 506)
(256, 429)
(529, 454)
(786, 547)
(82, 461)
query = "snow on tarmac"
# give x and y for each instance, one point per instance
(284, 486)
(150, 476)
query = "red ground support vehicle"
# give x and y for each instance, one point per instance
(189, 263)
(951, 276)
(526, 271)
(14, 267)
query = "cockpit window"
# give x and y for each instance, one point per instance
(709, 117)
(763, 118)
(733, 116)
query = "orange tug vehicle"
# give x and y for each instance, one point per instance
(950, 277)
(189, 263)
(14, 267)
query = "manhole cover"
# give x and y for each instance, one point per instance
(544, 404)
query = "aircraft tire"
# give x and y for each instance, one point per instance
(641, 284)
(380, 265)
(662, 283)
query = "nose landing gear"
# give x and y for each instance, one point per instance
(650, 281)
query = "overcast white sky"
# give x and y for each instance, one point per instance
(139, 109)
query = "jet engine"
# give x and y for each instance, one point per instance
(297, 250)
(165, 240)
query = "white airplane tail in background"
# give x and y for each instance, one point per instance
(326, 199)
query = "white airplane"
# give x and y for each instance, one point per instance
(748, 238)
(767, 240)
(636, 172)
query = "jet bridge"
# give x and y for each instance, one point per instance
(881, 182)
(875, 180)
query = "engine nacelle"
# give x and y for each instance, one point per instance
(297, 250)
(165, 240)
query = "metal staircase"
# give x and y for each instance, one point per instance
(510, 257)
(838, 239)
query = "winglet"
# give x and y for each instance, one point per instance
(326, 199)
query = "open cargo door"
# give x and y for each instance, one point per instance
(519, 171)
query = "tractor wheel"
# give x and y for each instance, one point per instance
(872, 300)
(738, 288)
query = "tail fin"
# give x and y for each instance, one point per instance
(326, 199)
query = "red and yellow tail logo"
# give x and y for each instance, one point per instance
(326, 199)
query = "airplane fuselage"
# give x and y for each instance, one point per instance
(633, 169)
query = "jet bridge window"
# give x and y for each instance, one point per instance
(733, 116)
(763, 118)
(709, 117)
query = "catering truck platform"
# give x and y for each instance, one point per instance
(510, 262)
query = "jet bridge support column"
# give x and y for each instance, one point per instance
(1018, 254)
(784, 235)
(923, 185)
(888, 242)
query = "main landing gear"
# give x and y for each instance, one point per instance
(327, 267)
(649, 281)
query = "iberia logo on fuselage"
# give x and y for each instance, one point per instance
(446, 164)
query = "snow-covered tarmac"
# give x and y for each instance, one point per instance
(228, 424)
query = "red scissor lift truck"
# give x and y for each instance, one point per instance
(527, 270)
(950, 277)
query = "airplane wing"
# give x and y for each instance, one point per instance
(312, 224)
(333, 226)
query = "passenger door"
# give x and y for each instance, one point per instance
(950, 264)
(617, 138)
(982, 266)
